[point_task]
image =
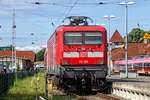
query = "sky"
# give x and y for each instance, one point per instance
(34, 21)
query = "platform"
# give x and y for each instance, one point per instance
(132, 89)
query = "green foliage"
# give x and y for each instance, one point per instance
(7, 64)
(40, 55)
(28, 88)
(136, 35)
(23, 90)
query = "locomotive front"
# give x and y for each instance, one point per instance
(83, 55)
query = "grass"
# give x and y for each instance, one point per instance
(26, 89)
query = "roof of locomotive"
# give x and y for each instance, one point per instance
(70, 26)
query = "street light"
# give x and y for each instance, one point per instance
(126, 28)
(109, 48)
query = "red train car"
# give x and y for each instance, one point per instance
(141, 64)
(77, 55)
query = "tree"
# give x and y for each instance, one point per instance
(7, 64)
(136, 36)
(40, 55)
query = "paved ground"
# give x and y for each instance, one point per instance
(139, 81)
(139, 78)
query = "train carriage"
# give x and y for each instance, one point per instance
(141, 64)
(77, 55)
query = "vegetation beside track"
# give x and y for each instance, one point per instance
(26, 89)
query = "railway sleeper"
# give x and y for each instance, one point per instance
(51, 85)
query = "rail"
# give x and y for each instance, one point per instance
(107, 97)
(91, 96)
(41, 98)
(100, 96)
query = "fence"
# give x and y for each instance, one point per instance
(7, 80)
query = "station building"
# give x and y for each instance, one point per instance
(24, 59)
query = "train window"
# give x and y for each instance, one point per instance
(146, 65)
(73, 38)
(122, 67)
(138, 66)
(129, 66)
(134, 66)
(93, 37)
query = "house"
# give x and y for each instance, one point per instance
(134, 49)
(24, 59)
(116, 38)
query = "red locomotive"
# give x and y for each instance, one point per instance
(77, 55)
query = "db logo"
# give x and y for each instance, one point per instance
(83, 54)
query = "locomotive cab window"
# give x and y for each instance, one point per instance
(93, 37)
(73, 38)
(87, 38)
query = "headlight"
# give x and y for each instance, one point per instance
(101, 62)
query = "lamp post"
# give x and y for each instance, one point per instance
(126, 31)
(109, 48)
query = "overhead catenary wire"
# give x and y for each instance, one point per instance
(67, 6)
(70, 9)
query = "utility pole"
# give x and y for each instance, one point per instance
(109, 46)
(126, 32)
(13, 40)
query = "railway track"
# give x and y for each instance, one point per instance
(124, 89)
(53, 89)
(96, 96)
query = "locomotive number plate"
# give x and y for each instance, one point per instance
(83, 61)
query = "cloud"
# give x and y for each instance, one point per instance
(30, 48)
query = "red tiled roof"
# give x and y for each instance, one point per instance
(22, 54)
(116, 37)
(134, 49)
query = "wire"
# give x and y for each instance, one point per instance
(71, 8)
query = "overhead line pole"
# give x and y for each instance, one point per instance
(13, 40)
(126, 32)
(109, 46)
